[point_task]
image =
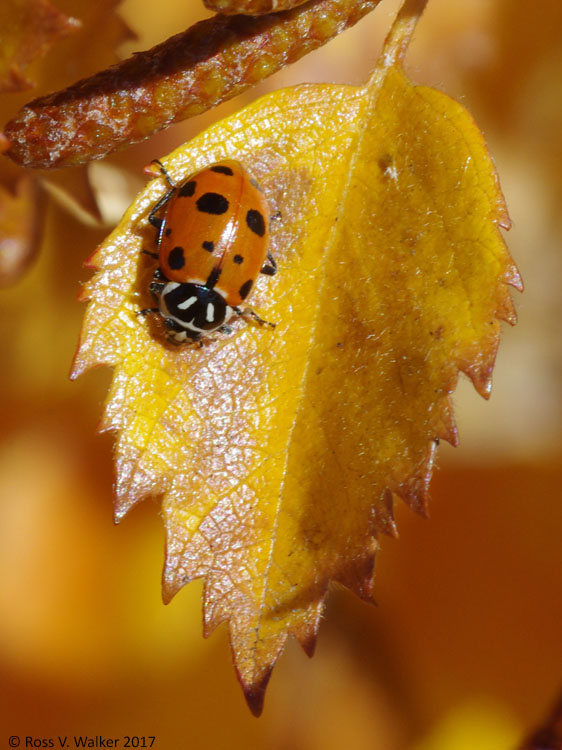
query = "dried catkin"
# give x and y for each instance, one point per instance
(251, 7)
(213, 61)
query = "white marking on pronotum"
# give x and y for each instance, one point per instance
(187, 303)
(210, 312)
(187, 327)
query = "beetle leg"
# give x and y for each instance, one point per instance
(156, 221)
(248, 313)
(164, 171)
(148, 311)
(158, 282)
(269, 268)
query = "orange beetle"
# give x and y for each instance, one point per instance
(212, 243)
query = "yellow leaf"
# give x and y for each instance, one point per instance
(278, 452)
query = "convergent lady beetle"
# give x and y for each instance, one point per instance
(212, 243)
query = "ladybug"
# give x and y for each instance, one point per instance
(213, 238)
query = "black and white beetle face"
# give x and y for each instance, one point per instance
(190, 311)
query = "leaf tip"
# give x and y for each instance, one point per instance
(79, 365)
(151, 170)
(309, 645)
(83, 295)
(506, 309)
(170, 586)
(503, 219)
(447, 428)
(124, 501)
(481, 378)
(480, 366)
(119, 514)
(417, 501)
(387, 522)
(255, 693)
(415, 491)
(513, 278)
(306, 632)
(92, 261)
(359, 576)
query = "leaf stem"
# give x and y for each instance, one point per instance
(398, 40)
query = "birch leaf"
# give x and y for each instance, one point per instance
(278, 453)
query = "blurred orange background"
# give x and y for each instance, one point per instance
(464, 650)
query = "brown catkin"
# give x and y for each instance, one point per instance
(213, 61)
(251, 7)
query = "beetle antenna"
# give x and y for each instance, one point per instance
(164, 172)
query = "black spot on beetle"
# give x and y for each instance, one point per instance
(212, 203)
(187, 190)
(176, 258)
(222, 170)
(246, 288)
(208, 246)
(168, 231)
(213, 277)
(238, 259)
(255, 221)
